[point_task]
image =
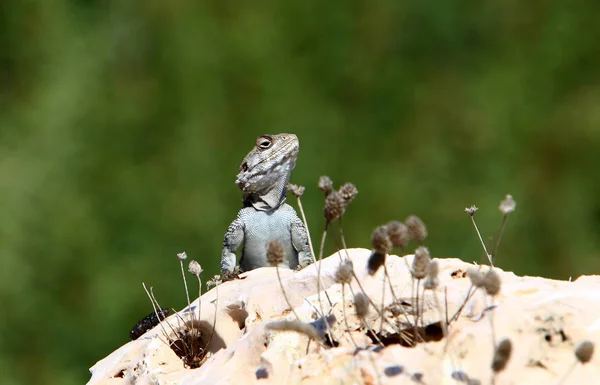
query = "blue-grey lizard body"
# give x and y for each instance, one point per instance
(264, 174)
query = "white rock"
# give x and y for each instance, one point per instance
(544, 319)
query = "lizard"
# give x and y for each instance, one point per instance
(263, 177)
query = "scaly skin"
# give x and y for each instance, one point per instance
(264, 174)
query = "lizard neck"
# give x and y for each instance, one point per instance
(270, 199)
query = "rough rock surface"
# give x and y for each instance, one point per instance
(544, 319)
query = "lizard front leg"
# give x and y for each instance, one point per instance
(300, 242)
(233, 239)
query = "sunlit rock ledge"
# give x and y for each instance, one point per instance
(544, 319)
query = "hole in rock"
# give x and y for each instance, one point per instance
(193, 341)
(432, 332)
(238, 314)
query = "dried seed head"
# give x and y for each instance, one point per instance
(295, 189)
(216, 280)
(416, 228)
(275, 253)
(471, 210)
(508, 205)
(294, 326)
(476, 277)
(492, 283)
(182, 256)
(344, 272)
(195, 268)
(349, 192)
(325, 184)
(501, 355)
(433, 269)
(584, 352)
(420, 262)
(381, 241)
(432, 281)
(376, 260)
(361, 304)
(398, 233)
(335, 206)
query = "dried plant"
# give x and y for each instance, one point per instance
(294, 326)
(471, 212)
(187, 342)
(398, 233)
(275, 257)
(584, 352)
(507, 206)
(501, 357)
(417, 230)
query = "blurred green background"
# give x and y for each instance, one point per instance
(122, 124)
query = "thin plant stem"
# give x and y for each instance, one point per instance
(345, 316)
(491, 317)
(342, 235)
(319, 283)
(212, 330)
(416, 327)
(187, 295)
(365, 323)
(310, 245)
(284, 293)
(499, 236)
(382, 301)
(154, 306)
(482, 242)
(470, 293)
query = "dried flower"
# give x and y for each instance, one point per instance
(432, 281)
(275, 253)
(195, 268)
(216, 280)
(501, 355)
(433, 269)
(416, 228)
(361, 305)
(492, 283)
(295, 189)
(182, 256)
(344, 273)
(349, 192)
(295, 326)
(335, 206)
(398, 233)
(420, 262)
(476, 277)
(584, 352)
(508, 205)
(471, 210)
(325, 184)
(381, 241)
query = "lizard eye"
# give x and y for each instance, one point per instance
(264, 142)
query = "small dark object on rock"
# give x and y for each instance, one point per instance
(376, 260)
(148, 323)
(392, 371)
(262, 373)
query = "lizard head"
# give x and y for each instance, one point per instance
(269, 164)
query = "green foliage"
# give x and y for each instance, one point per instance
(122, 125)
